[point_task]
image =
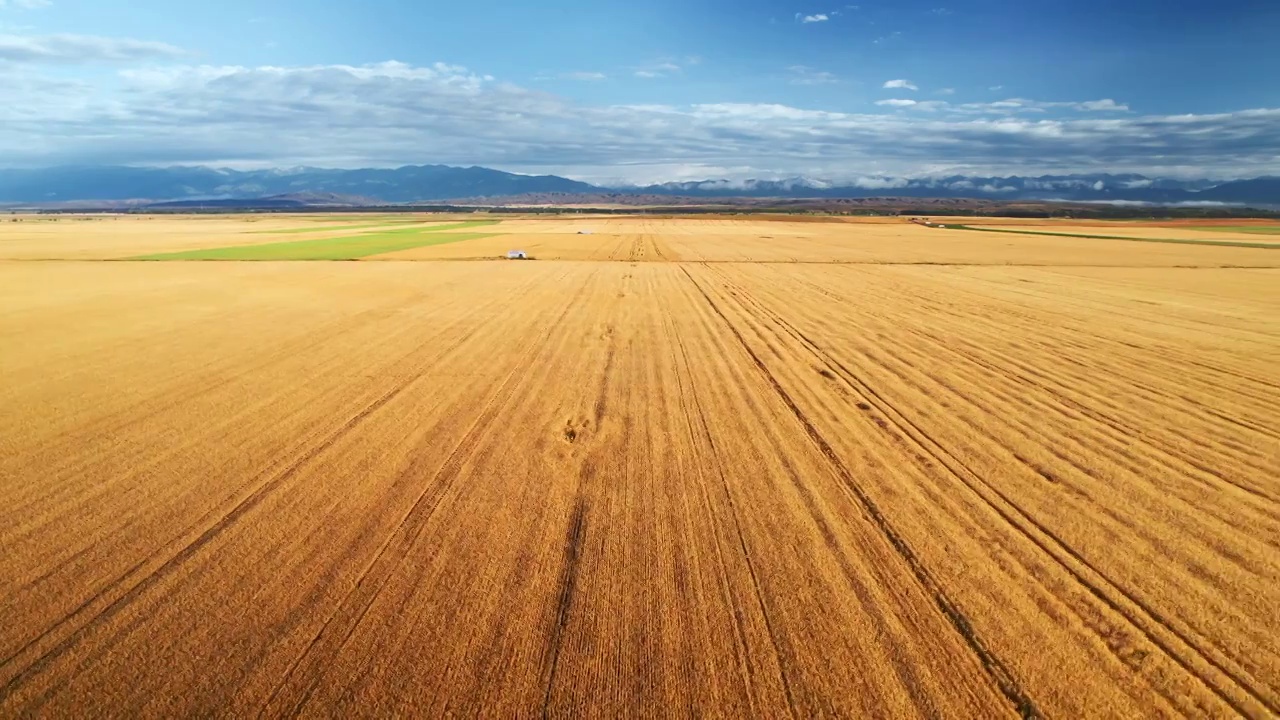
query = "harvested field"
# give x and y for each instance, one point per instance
(723, 477)
(1261, 234)
(783, 241)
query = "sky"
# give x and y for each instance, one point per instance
(623, 91)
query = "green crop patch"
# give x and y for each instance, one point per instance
(350, 247)
(1176, 241)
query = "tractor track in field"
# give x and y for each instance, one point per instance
(150, 578)
(964, 477)
(568, 583)
(187, 548)
(685, 384)
(1052, 544)
(704, 430)
(1067, 394)
(412, 524)
(994, 666)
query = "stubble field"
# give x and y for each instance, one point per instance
(716, 466)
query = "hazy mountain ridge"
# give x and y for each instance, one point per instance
(419, 183)
(405, 184)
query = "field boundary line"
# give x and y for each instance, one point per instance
(1170, 241)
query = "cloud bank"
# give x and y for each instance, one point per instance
(65, 48)
(393, 113)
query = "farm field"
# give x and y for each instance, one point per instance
(1173, 233)
(388, 238)
(107, 237)
(848, 469)
(791, 241)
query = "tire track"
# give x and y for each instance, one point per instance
(994, 666)
(704, 431)
(568, 586)
(262, 486)
(1063, 390)
(412, 524)
(214, 430)
(1077, 566)
(151, 578)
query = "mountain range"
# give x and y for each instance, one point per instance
(426, 183)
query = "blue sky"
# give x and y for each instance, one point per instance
(636, 92)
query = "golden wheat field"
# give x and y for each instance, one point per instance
(723, 466)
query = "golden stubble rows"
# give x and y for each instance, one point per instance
(618, 487)
(639, 239)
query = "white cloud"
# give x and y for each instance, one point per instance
(941, 11)
(1107, 105)
(816, 18)
(802, 75)
(66, 48)
(899, 85)
(395, 114)
(1017, 105)
(896, 102)
(996, 88)
(663, 68)
(947, 91)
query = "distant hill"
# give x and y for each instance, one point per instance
(274, 202)
(199, 186)
(411, 183)
(1263, 191)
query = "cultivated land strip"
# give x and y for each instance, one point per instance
(336, 248)
(732, 467)
(946, 459)
(1176, 241)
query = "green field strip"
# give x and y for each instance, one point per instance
(1175, 241)
(349, 247)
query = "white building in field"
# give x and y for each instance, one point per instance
(517, 255)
